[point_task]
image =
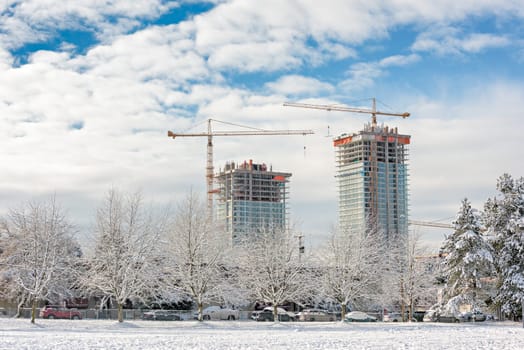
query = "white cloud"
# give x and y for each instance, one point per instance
(162, 53)
(398, 60)
(241, 37)
(363, 74)
(296, 85)
(252, 57)
(449, 11)
(6, 60)
(33, 21)
(480, 41)
(235, 35)
(447, 40)
(461, 146)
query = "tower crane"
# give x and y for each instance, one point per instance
(373, 111)
(210, 133)
(430, 224)
(372, 158)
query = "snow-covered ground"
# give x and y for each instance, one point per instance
(92, 334)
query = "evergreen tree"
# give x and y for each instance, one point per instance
(504, 217)
(468, 256)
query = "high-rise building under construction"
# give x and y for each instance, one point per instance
(251, 198)
(372, 174)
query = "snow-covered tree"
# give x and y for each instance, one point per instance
(410, 277)
(504, 219)
(39, 253)
(352, 267)
(124, 263)
(270, 267)
(196, 247)
(468, 256)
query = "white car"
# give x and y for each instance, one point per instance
(315, 315)
(220, 313)
(392, 317)
(359, 316)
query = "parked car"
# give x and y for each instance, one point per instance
(283, 315)
(51, 312)
(397, 317)
(475, 316)
(491, 317)
(359, 316)
(430, 316)
(254, 315)
(219, 313)
(392, 317)
(450, 318)
(418, 315)
(478, 316)
(161, 315)
(315, 315)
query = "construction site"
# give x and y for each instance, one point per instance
(251, 198)
(372, 175)
(371, 170)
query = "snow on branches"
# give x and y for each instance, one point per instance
(468, 256)
(504, 217)
(40, 253)
(124, 264)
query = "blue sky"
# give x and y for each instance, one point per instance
(88, 90)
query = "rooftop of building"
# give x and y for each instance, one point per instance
(250, 166)
(379, 131)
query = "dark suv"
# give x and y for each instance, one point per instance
(59, 312)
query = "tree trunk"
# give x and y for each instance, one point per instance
(402, 298)
(200, 312)
(275, 313)
(120, 313)
(19, 308)
(410, 310)
(33, 310)
(342, 311)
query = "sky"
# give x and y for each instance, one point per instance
(89, 89)
(223, 335)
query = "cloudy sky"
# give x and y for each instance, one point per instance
(89, 88)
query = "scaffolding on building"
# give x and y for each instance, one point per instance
(252, 197)
(372, 177)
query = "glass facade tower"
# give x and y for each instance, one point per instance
(251, 198)
(372, 175)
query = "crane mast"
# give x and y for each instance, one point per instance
(210, 133)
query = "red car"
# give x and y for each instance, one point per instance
(58, 312)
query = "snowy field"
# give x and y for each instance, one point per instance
(91, 334)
